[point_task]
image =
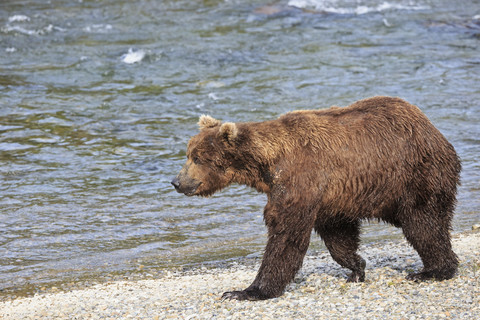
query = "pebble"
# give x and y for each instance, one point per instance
(318, 292)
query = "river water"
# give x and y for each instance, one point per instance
(99, 98)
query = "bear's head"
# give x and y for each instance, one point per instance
(210, 156)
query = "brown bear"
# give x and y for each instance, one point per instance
(379, 158)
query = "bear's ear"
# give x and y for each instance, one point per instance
(228, 131)
(207, 122)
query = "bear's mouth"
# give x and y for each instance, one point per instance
(191, 192)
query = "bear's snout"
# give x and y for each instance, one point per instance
(176, 183)
(185, 185)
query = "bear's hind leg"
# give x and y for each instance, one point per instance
(429, 234)
(342, 240)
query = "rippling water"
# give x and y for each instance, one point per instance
(99, 98)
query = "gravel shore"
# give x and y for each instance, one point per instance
(318, 292)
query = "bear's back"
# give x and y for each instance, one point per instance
(371, 108)
(378, 118)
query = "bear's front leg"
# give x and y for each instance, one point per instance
(288, 240)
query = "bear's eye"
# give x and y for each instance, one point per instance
(196, 160)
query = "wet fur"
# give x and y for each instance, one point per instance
(379, 158)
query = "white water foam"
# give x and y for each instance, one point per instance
(16, 24)
(18, 18)
(98, 28)
(133, 56)
(355, 7)
(28, 32)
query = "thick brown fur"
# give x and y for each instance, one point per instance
(379, 158)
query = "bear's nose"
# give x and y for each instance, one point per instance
(175, 183)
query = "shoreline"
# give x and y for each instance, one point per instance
(318, 291)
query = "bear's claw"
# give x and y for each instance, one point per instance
(252, 295)
(356, 277)
(235, 295)
(418, 277)
(442, 274)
